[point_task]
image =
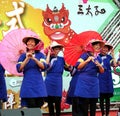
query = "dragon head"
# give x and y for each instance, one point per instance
(56, 23)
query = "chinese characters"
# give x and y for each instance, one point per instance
(13, 101)
(15, 21)
(90, 10)
(10, 102)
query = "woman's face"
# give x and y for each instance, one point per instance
(104, 50)
(31, 44)
(96, 47)
(56, 50)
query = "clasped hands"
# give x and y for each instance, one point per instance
(30, 55)
(92, 58)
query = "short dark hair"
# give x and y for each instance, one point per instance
(36, 40)
(109, 47)
(57, 47)
(94, 43)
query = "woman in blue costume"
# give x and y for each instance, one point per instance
(32, 63)
(87, 86)
(53, 79)
(105, 79)
(3, 90)
(71, 99)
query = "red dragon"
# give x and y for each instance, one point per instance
(57, 27)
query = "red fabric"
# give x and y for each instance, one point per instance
(77, 46)
(39, 46)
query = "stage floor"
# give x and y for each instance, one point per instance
(98, 113)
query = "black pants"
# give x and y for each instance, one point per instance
(51, 101)
(75, 107)
(82, 105)
(105, 98)
(1, 103)
(34, 102)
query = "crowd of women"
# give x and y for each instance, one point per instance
(91, 78)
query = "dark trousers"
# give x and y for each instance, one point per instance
(34, 102)
(1, 103)
(104, 98)
(92, 107)
(75, 107)
(51, 101)
(82, 105)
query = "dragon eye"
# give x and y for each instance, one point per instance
(63, 19)
(49, 20)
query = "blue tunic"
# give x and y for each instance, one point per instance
(87, 85)
(72, 85)
(118, 60)
(53, 79)
(33, 85)
(3, 90)
(105, 79)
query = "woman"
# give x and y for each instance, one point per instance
(87, 86)
(32, 63)
(3, 90)
(105, 79)
(71, 98)
(53, 79)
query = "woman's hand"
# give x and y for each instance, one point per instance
(82, 64)
(90, 58)
(29, 55)
(101, 69)
(97, 63)
(48, 56)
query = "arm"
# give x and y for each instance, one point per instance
(101, 69)
(39, 62)
(91, 58)
(22, 65)
(113, 58)
(48, 57)
(85, 62)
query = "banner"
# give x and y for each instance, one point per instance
(83, 15)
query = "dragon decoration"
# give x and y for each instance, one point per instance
(56, 26)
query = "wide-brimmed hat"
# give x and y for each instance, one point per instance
(37, 39)
(102, 43)
(55, 44)
(109, 46)
(89, 46)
